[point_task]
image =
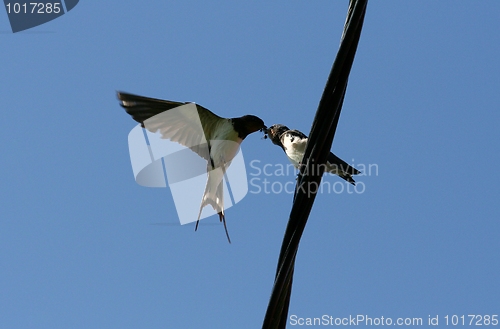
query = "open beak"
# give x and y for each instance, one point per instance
(265, 131)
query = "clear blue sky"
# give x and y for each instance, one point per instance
(83, 246)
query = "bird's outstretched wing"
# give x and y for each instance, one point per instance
(191, 127)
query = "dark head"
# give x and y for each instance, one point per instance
(248, 124)
(275, 132)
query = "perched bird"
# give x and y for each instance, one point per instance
(293, 142)
(213, 138)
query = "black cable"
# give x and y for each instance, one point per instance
(318, 147)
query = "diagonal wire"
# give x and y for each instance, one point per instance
(318, 147)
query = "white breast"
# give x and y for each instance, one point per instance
(294, 148)
(225, 144)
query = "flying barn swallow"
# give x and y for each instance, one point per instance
(217, 142)
(293, 142)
